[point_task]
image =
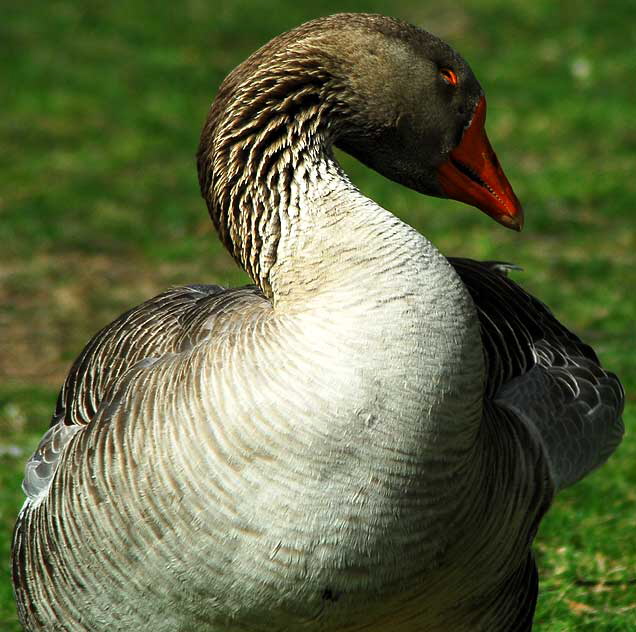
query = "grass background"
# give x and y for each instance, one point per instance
(99, 209)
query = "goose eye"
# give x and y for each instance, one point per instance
(448, 76)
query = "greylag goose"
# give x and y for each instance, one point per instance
(368, 438)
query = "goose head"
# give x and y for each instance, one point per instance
(394, 96)
(418, 116)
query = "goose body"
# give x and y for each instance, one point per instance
(368, 437)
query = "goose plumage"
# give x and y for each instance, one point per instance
(368, 437)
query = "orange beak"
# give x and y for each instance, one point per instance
(472, 174)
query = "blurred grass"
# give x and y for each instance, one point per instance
(99, 209)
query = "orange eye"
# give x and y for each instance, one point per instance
(448, 76)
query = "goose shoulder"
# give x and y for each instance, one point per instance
(544, 374)
(170, 323)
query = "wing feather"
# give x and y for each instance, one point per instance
(543, 373)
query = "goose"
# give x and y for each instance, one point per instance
(365, 439)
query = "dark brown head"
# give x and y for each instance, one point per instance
(417, 115)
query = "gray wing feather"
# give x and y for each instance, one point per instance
(41, 466)
(575, 410)
(544, 374)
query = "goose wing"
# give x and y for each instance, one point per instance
(544, 374)
(169, 323)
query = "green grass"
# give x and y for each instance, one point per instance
(99, 208)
